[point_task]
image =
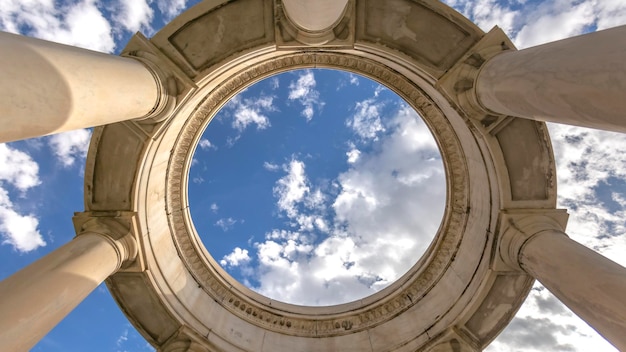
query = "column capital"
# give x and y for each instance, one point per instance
(119, 228)
(166, 86)
(459, 82)
(516, 227)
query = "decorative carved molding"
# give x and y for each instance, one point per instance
(402, 295)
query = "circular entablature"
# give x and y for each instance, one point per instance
(340, 319)
(316, 187)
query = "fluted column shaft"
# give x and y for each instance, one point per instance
(591, 285)
(48, 88)
(578, 81)
(35, 299)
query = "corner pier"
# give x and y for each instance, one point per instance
(481, 98)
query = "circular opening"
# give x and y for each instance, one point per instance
(317, 187)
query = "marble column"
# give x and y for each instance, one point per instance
(591, 285)
(38, 297)
(578, 81)
(48, 88)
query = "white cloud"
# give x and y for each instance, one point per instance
(122, 339)
(366, 121)
(347, 78)
(129, 339)
(237, 257)
(214, 208)
(354, 79)
(171, 8)
(274, 83)
(79, 23)
(353, 155)
(382, 194)
(292, 188)
(230, 141)
(610, 13)
(245, 117)
(350, 241)
(533, 23)
(17, 230)
(591, 167)
(22, 172)
(379, 89)
(270, 166)
(246, 112)
(303, 90)
(70, 146)
(18, 168)
(134, 15)
(488, 13)
(205, 144)
(554, 20)
(226, 223)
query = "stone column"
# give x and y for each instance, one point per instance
(591, 285)
(578, 81)
(35, 299)
(48, 88)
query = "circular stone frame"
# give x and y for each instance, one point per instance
(344, 318)
(180, 299)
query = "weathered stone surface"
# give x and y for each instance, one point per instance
(426, 31)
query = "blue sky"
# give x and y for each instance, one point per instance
(302, 189)
(323, 164)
